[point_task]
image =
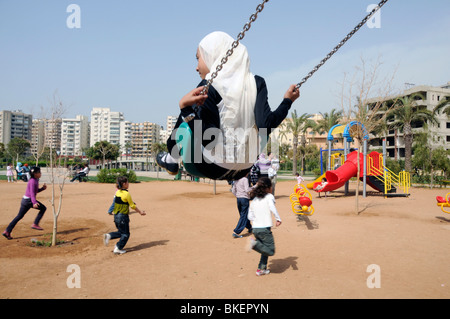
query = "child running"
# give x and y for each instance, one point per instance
(261, 209)
(122, 205)
(29, 201)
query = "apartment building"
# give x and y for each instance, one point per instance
(170, 125)
(125, 137)
(53, 134)
(431, 97)
(15, 124)
(38, 136)
(105, 126)
(144, 135)
(74, 135)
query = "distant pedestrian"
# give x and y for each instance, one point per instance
(10, 173)
(241, 189)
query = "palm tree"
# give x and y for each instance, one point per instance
(328, 120)
(406, 111)
(297, 126)
(443, 104)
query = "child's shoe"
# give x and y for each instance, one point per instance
(7, 235)
(161, 160)
(37, 227)
(106, 238)
(118, 251)
(262, 272)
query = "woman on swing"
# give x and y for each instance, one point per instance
(233, 110)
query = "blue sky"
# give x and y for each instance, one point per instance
(138, 56)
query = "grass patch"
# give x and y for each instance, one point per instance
(46, 241)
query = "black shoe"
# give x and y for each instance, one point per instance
(172, 169)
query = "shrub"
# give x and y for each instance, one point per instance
(109, 176)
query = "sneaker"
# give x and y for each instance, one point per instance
(250, 244)
(7, 235)
(171, 168)
(118, 251)
(262, 272)
(37, 227)
(237, 236)
(106, 238)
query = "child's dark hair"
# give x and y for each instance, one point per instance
(34, 170)
(120, 181)
(262, 188)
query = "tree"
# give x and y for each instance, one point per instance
(443, 105)
(328, 120)
(429, 159)
(17, 146)
(406, 112)
(357, 105)
(2, 150)
(105, 151)
(297, 126)
(58, 172)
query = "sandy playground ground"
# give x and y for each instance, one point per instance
(183, 248)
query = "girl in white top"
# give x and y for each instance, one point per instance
(260, 213)
(10, 173)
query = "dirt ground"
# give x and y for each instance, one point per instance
(183, 248)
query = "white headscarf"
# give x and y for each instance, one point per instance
(235, 84)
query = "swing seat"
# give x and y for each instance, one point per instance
(186, 141)
(190, 146)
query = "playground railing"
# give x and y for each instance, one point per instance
(402, 180)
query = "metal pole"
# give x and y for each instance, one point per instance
(346, 147)
(365, 170)
(330, 146)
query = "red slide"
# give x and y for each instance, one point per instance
(336, 179)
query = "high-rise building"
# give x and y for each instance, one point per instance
(74, 136)
(144, 135)
(15, 124)
(38, 137)
(105, 126)
(53, 134)
(125, 138)
(170, 125)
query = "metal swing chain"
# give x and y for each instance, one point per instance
(356, 29)
(235, 44)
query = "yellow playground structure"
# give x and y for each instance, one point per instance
(443, 203)
(301, 201)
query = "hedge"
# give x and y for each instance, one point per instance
(109, 176)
